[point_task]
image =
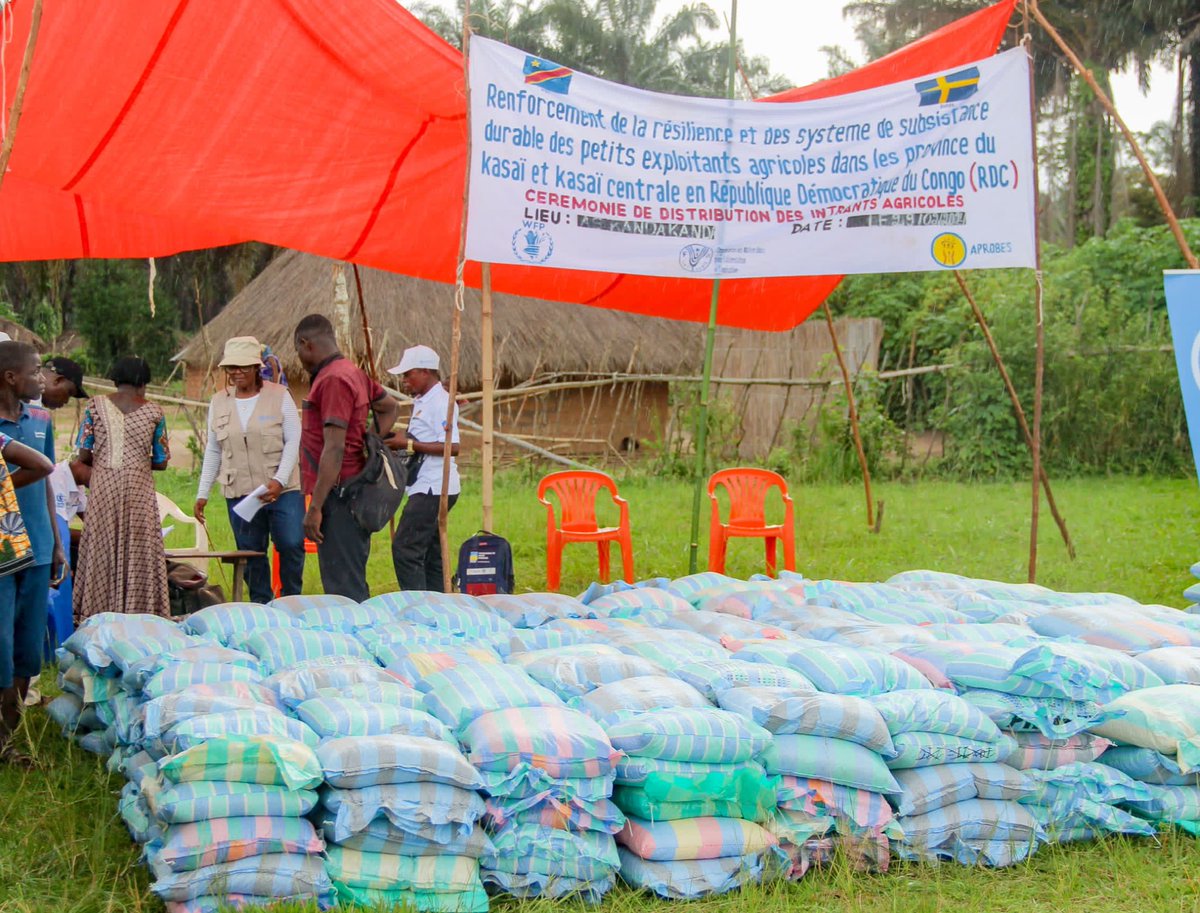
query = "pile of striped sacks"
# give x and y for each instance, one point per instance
(688, 737)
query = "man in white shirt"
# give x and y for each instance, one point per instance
(416, 548)
(66, 484)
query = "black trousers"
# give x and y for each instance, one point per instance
(343, 555)
(417, 549)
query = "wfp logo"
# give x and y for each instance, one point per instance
(696, 258)
(531, 243)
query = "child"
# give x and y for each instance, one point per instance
(16, 553)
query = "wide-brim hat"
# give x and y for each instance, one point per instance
(417, 357)
(242, 352)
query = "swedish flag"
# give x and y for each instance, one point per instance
(948, 88)
(550, 76)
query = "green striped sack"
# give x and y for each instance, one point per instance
(832, 760)
(709, 735)
(265, 760)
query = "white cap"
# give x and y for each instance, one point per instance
(4, 337)
(417, 357)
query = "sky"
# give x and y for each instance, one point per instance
(790, 34)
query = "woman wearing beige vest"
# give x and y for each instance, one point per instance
(254, 441)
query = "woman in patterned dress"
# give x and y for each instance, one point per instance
(122, 563)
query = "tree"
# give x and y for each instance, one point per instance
(113, 314)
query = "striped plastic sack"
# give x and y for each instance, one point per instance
(187, 847)
(201, 801)
(534, 884)
(527, 786)
(92, 639)
(529, 610)
(408, 634)
(336, 717)
(1148, 765)
(393, 693)
(443, 874)
(694, 838)
(181, 676)
(620, 700)
(162, 713)
(912, 613)
(1062, 788)
(346, 617)
(861, 808)
(473, 901)
(1114, 628)
(65, 710)
(136, 816)
(126, 652)
(295, 686)
(545, 638)
(991, 831)
(528, 659)
(1118, 673)
(837, 670)
(635, 602)
(414, 665)
(784, 712)
(138, 767)
(684, 781)
(197, 729)
(271, 875)
(280, 648)
(1165, 719)
(1052, 717)
(1174, 665)
(669, 649)
(687, 587)
(636, 801)
(460, 695)
(1077, 672)
(223, 903)
(381, 760)
(267, 760)
(245, 691)
(924, 710)
(400, 600)
(574, 675)
(470, 618)
(714, 677)
(833, 760)
(694, 878)
(925, 789)
(521, 849)
(974, 632)
(707, 735)
(1168, 803)
(556, 740)
(1089, 820)
(228, 623)
(924, 749)
(438, 812)
(1036, 752)
(298, 605)
(601, 815)
(725, 629)
(381, 836)
(143, 670)
(873, 636)
(748, 601)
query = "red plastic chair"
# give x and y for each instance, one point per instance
(576, 491)
(748, 490)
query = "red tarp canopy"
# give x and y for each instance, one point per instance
(333, 128)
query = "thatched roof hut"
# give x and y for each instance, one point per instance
(532, 337)
(18, 333)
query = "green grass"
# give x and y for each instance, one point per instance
(63, 849)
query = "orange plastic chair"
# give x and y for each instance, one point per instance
(310, 548)
(577, 491)
(748, 490)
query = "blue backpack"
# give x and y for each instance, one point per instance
(485, 565)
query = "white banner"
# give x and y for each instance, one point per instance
(574, 172)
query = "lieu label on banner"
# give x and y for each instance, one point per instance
(575, 172)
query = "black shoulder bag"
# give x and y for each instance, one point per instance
(374, 495)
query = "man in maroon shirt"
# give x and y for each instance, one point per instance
(333, 423)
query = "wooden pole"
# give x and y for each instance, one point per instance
(709, 338)
(456, 326)
(14, 113)
(1020, 413)
(853, 407)
(487, 450)
(372, 368)
(1040, 330)
(1108, 106)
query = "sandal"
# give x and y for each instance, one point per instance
(15, 757)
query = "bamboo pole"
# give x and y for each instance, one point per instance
(1111, 109)
(14, 112)
(487, 453)
(456, 325)
(1039, 369)
(709, 340)
(853, 406)
(1020, 413)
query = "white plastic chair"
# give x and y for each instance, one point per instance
(168, 508)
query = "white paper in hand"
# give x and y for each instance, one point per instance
(251, 504)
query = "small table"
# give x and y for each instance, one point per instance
(237, 558)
